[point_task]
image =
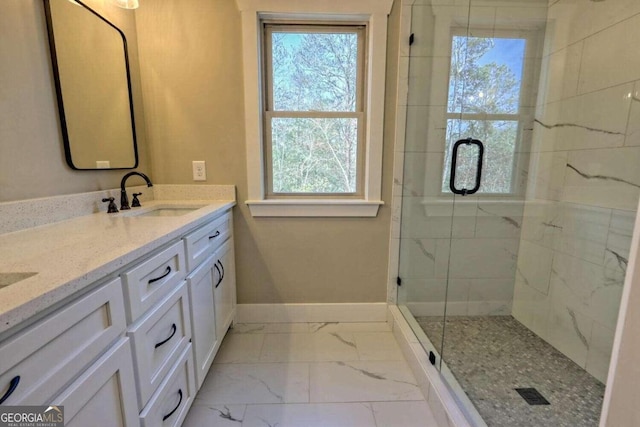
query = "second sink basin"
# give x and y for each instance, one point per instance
(163, 210)
(167, 212)
(7, 279)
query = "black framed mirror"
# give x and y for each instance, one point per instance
(93, 85)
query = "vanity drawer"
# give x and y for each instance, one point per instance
(170, 404)
(152, 280)
(158, 339)
(47, 357)
(205, 240)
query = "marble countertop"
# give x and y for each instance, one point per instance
(72, 254)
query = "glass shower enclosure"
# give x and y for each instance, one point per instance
(519, 197)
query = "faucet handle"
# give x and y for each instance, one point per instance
(135, 203)
(112, 208)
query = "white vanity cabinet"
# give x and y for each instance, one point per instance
(212, 290)
(178, 334)
(41, 360)
(132, 350)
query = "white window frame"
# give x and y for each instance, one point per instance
(372, 12)
(525, 103)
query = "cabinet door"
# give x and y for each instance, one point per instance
(104, 394)
(203, 319)
(225, 288)
(47, 356)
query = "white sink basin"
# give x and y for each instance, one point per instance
(167, 212)
(163, 210)
(7, 279)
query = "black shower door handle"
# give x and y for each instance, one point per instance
(454, 162)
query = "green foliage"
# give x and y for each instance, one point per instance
(477, 86)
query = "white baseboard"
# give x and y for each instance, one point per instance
(304, 313)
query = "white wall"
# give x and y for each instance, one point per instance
(585, 182)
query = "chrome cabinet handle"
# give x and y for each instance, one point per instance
(173, 332)
(161, 277)
(13, 385)
(174, 409)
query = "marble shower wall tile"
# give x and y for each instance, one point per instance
(483, 258)
(541, 223)
(424, 219)
(560, 73)
(499, 219)
(531, 308)
(586, 289)
(547, 179)
(599, 356)
(606, 61)
(573, 123)
(534, 266)
(568, 329)
(584, 232)
(633, 127)
(424, 258)
(606, 178)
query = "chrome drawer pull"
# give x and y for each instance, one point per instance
(174, 409)
(13, 385)
(217, 233)
(173, 332)
(161, 277)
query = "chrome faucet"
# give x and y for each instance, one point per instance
(124, 200)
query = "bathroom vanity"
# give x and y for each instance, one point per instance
(122, 320)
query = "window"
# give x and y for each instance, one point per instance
(314, 109)
(313, 115)
(485, 101)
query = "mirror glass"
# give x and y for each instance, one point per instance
(91, 70)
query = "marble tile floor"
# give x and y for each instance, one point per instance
(490, 356)
(308, 375)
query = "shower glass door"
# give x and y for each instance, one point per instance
(525, 273)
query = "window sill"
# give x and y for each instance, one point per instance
(314, 208)
(468, 206)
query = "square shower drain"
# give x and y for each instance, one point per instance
(532, 396)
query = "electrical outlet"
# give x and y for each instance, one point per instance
(199, 170)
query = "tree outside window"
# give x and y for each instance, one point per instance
(485, 84)
(313, 112)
